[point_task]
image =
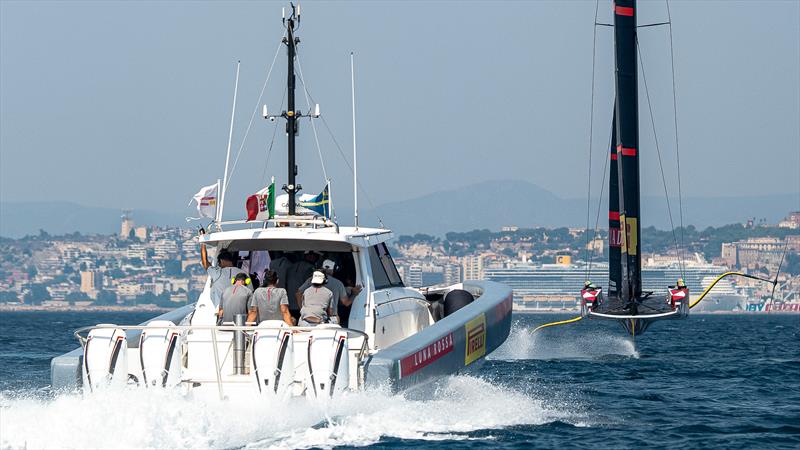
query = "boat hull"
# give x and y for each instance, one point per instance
(450, 345)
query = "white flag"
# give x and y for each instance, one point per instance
(206, 199)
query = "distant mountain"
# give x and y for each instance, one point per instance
(496, 204)
(18, 219)
(489, 205)
(484, 205)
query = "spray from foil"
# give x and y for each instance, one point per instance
(573, 343)
(165, 419)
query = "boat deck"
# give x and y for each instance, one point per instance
(654, 304)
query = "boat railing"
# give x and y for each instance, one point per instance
(283, 221)
(246, 329)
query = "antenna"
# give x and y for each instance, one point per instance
(355, 154)
(228, 154)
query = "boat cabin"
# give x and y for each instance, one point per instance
(385, 309)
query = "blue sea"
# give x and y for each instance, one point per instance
(705, 382)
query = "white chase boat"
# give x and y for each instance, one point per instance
(394, 335)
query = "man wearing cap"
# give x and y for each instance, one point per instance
(319, 305)
(235, 298)
(340, 295)
(221, 274)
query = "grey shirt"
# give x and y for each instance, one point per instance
(335, 286)
(297, 273)
(316, 301)
(267, 301)
(234, 301)
(281, 267)
(220, 280)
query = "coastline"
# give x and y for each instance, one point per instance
(85, 308)
(698, 313)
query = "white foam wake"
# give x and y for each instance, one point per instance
(577, 343)
(158, 419)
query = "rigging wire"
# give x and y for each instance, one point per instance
(658, 151)
(591, 129)
(313, 126)
(272, 142)
(350, 166)
(726, 274)
(255, 111)
(600, 204)
(777, 274)
(677, 148)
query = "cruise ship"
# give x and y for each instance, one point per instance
(555, 287)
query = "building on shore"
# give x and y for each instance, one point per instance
(556, 287)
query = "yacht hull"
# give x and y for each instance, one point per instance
(451, 345)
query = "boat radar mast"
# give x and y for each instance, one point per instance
(291, 115)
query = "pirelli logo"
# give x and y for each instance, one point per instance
(476, 339)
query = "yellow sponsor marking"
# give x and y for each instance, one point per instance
(475, 332)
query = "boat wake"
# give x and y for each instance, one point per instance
(524, 344)
(164, 419)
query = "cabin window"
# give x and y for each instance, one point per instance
(384, 272)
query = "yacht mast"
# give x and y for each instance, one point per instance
(290, 114)
(627, 143)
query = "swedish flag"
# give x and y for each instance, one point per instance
(321, 204)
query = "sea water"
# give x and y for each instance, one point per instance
(704, 382)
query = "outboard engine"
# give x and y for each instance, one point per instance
(273, 357)
(160, 354)
(328, 361)
(105, 358)
(455, 300)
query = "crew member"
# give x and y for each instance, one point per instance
(280, 264)
(340, 294)
(298, 272)
(269, 302)
(319, 305)
(221, 274)
(235, 298)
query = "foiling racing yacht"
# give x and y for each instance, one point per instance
(395, 335)
(625, 300)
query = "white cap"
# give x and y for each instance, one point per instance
(318, 277)
(328, 264)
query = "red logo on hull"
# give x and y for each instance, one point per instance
(426, 356)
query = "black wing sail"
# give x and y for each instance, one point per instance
(614, 238)
(625, 301)
(627, 128)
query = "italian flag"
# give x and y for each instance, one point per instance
(261, 205)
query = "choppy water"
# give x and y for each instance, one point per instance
(706, 382)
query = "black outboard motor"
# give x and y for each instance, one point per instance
(455, 300)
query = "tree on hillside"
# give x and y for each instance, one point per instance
(792, 263)
(106, 298)
(172, 268)
(37, 294)
(8, 296)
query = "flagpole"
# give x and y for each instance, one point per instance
(330, 203)
(216, 212)
(228, 154)
(355, 159)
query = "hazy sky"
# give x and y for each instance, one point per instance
(126, 104)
